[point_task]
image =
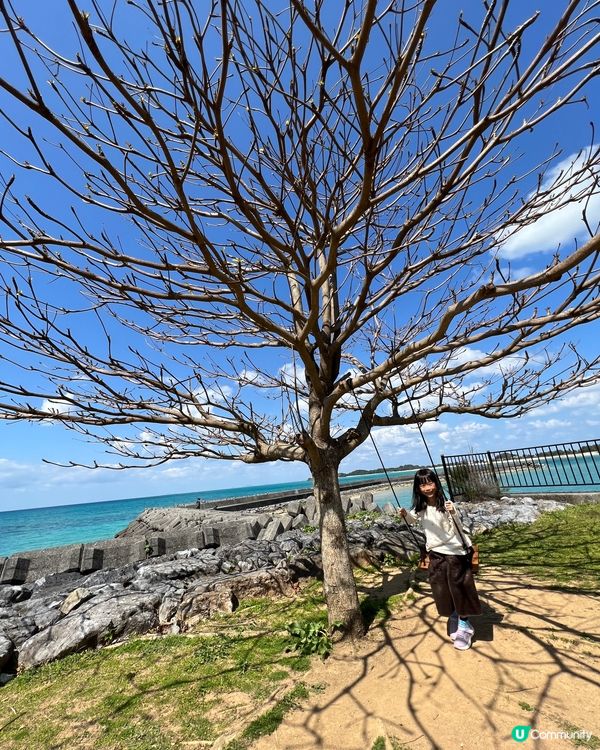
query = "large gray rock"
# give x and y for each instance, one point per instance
(480, 517)
(13, 594)
(175, 569)
(90, 626)
(42, 611)
(168, 609)
(202, 605)
(17, 629)
(6, 651)
(123, 576)
(258, 583)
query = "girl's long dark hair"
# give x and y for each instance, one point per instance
(419, 500)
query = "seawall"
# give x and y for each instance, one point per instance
(208, 532)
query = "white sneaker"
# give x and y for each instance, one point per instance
(453, 626)
(463, 637)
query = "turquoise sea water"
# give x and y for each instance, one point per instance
(37, 528)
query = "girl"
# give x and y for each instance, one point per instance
(450, 573)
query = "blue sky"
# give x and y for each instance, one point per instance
(27, 480)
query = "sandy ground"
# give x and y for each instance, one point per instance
(535, 661)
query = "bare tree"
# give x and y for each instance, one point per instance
(326, 181)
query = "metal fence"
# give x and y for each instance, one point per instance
(574, 466)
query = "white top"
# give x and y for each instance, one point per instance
(440, 532)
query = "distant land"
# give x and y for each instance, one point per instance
(358, 472)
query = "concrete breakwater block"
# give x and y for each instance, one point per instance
(367, 502)
(300, 521)
(15, 570)
(235, 532)
(92, 558)
(152, 546)
(210, 535)
(295, 507)
(64, 559)
(286, 522)
(272, 531)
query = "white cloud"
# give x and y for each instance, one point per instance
(251, 377)
(19, 476)
(514, 274)
(559, 223)
(505, 366)
(579, 399)
(57, 406)
(293, 375)
(460, 433)
(548, 424)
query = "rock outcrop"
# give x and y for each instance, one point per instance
(64, 612)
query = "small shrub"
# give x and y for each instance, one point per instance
(110, 634)
(379, 744)
(474, 481)
(309, 638)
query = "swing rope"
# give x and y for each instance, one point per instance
(385, 471)
(420, 546)
(412, 408)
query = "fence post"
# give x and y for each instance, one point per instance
(493, 469)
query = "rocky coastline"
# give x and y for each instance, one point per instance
(61, 613)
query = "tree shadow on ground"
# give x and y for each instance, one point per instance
(406, 682)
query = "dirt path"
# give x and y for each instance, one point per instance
(535, 661)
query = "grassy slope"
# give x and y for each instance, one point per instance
(157, 694)
(561, 547)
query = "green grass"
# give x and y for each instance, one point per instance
(561, 546)
(154, 694)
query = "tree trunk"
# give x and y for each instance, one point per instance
(338, 579)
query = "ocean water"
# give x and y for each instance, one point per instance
(38, 528)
